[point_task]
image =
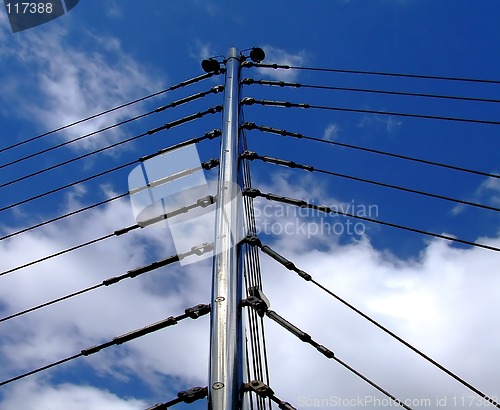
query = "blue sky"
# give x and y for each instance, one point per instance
(441, 297)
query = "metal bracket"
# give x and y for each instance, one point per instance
(259, 388)
(252, 240)
(263, 390)
(257, 300)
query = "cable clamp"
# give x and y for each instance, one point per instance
(196, 311)
(263, 390)
(257, 300)
(252, 240)
(259, 388)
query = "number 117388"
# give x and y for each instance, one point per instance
(29, 8)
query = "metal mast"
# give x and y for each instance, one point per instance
(226, 347)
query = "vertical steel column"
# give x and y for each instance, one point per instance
(226, 347)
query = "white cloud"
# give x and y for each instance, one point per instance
(60, 82)
(31, 396)
(490, 188)
(386, 123)
(331, 132)
(201, 50)
(212, 8)
(438, 304)
(275, 55)
(113, 10)
(98, 316)
(443, 303)
(488, 191)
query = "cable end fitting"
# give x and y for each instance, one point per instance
(202, 249)
(251, 192)
(217, 89)
(250, 155)
(247, 81)
(284, 405)
(213, 134)
(211, 163)
(247, 101)
(196, 311)
(192, 395)
(248, 126)
(207, 201)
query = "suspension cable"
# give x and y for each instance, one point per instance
(251, 81)
(262, 308)
(255, 241)
(202, 202)
(263, 391)
(169, 125)
(288, 104)
(253, 278)
(364, 72)
(114, 198)
(250, 155)
(171, 88)
(213, 90)
(86, 155)
(188, 396)
(133, 273)
(285, 133)
(209, 135)
(193, 313)
(253, 193)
